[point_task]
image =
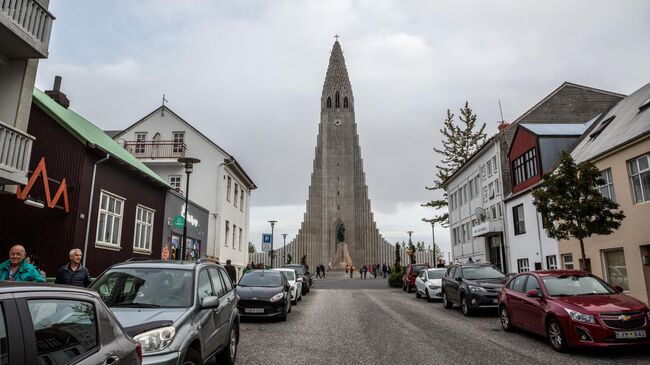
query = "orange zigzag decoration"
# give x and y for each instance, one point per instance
(51, 203)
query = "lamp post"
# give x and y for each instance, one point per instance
(433, 235)
(284, 256)
(272, 253)
(189, 167)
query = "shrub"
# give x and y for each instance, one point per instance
(395, 279)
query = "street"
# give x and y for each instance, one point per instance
(353, 321)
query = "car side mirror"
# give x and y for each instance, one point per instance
(459, 279)
(618, 288)
(534, 293)
(210, 302)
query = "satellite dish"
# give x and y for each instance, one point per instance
(480, 214)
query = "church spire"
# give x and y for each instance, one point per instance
(337, 81)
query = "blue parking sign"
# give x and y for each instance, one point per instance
(267, 239)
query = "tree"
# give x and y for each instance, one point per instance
(398, 258)
(460, 141)
(420, 247)
(411, 252)
(571, 205)
(251, 248)
(289, 257)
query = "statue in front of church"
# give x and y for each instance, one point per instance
(340, 234)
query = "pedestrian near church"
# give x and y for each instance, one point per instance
(16, 268)
(73, 273)
(231, 271)
(384, 269)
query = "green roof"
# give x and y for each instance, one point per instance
(88, 133)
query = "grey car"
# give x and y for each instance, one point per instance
(50, 324)
(181, 312)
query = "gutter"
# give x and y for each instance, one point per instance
(90, 206)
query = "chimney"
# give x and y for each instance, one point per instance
(56, 93)
(503, 125)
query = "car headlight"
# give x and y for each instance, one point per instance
(434, 287)
(277, 297)
(580, 317)
(156, 340)
(476, 289)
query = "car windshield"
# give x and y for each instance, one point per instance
(570, 285)
(261, 278)
(436, 274)
(290, 275)
(145, 288)
(482, 272)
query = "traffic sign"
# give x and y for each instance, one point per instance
(267, 239)
(179, 221)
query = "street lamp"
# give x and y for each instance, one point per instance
(410, 233)
(272, 253)
(284, 256)
(433, 233)
(189, 167)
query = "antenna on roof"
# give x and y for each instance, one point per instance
(501, 111)
(162, 112)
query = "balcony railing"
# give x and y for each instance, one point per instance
(30, 21)
(15, 150)
(156, 149)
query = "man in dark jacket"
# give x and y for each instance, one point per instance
(73, 273)
(231, 271)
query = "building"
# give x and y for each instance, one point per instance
(218, 183)
(619, 145)
(85, 191)
(475, 196)
(25, 28)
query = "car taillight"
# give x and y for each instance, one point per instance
(138, 352)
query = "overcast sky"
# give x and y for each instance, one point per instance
(249, 74)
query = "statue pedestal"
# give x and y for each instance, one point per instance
(341, 258)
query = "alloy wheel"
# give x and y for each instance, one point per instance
(556, 336)
(233, 344)
(465, 306)
(505, 319)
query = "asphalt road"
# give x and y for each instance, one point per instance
(354, 321)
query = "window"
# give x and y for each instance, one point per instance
(524, 167)
(179, 141)
(109, 219)
(228, 185)
(240, 237)
(518, 283)
(227, 233)
(522, 265)
(337, 100)
(518, 219)
(4, 341)
(140, 138)
(551, 262)
(241, 200)
(615, 268)
(143, 229)
(491, 190)
(493, 212)
(65, 330)
(489, 168)
(226, 279)
(640, 175)
(236, 198)
(345, 102)
(606, 186)
(175, 182)
(483, 175)
(567, 261)
(217, 283)
(494, 164)
(497, 186)
(204, 288)
(234, 235)
(531, 284)
(499, 211)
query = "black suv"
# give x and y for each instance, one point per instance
(301, 272)
(473, 286)
(180, 312)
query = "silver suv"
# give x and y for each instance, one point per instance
(181, 312)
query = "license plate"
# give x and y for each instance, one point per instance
(630, 334)
(254, 310)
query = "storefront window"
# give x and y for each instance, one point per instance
(615, 269)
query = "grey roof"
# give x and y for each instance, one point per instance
(628, 124)
(113, 133)
(554, 129)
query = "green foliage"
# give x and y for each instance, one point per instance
(460, 141)
(420, 247)
(572, 207)
(395, 279)
(251, 248)
(398, 259)
(411, 252)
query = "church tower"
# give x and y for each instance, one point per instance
(338, 226)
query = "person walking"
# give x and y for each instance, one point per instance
(232, 273)
(322, 269)
(346, 270)
(16, 268)
(317, 271)
(375, 268)
(351, 271)
(384, 269)
(73, 273)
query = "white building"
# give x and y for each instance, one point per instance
(476, 207)
(218, 183)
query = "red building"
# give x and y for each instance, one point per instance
(84, 191)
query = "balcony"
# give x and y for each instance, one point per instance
(25, 27)
(15, 150)
(156, 151)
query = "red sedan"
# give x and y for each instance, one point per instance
(573, 308)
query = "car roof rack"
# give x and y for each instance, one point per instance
(138, 258)
(207, 260)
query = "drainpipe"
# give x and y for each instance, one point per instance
(90, 206)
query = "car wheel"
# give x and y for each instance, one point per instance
(505, 319)
(228, 355)
(556, 336)
(464, 305)
(192, 357)
(445, 301)
(426, 292)
(417, 293)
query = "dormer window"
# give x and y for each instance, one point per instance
(601, 127)
(645, 105)
(345, 102)
(329, 103)
(337, 100)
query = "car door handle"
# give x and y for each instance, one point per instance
(111, 360)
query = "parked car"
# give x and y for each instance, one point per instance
(412, 272)
(264, 293)
(473, 286)
(62, 325)
(429, 284)
(296, 285)
(573, 308)
(302, 272)
(179, 311)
